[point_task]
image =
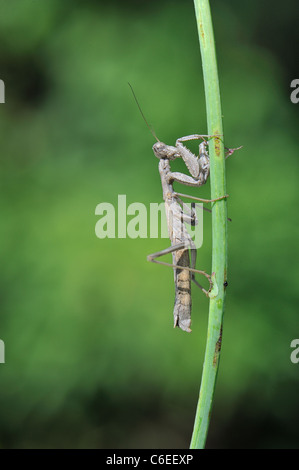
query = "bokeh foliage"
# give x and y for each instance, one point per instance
(91, 356)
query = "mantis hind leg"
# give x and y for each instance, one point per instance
(172, 249)
(193, 264)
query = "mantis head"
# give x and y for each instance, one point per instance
(162, 150)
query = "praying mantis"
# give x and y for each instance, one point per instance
(178, 214)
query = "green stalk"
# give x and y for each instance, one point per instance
(219, 229)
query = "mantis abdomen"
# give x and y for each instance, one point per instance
(182, 281)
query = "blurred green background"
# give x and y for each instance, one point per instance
(92, 359)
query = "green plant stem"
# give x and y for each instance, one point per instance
(219, 222)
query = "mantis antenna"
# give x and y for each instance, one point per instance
(150, 127)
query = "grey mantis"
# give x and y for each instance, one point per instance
(178, 213)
